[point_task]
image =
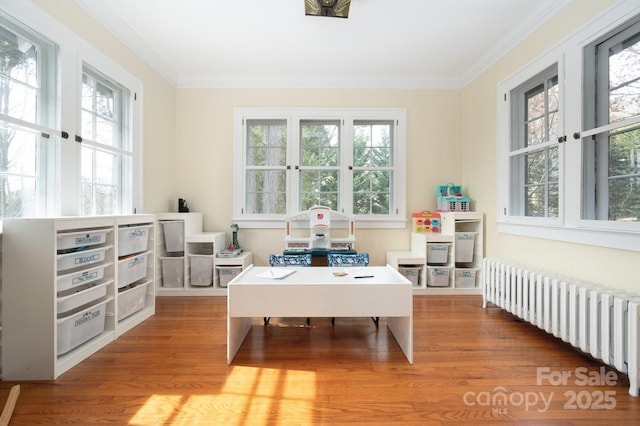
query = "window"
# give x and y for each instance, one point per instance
(27, 84)
(106, 147)
(569, 138)
(70, 126)
(534, 146)
(612, 103)
(289, 160)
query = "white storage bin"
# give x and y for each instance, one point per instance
(85, 238)
(78, 278)
(465, 277)
(74, 298)
(438, 254)
(172, 271)
(131, 269)
(78, 327)
(173, 235)
(81, 258)
(437, 277)
(201, 269)
(227, 273)
(133, 239)
(131, 300)
(465, 242)
(412, 273)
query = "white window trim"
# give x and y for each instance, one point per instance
(73, 52)
(569, 226)
(294, 115)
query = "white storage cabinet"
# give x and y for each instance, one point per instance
(450, 260)
(187, 264)
(136, 271)
(453, 256)
(59, 292)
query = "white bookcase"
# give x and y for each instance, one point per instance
(448, 262)
(62, 298)
(187, 263)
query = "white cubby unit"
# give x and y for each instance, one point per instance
(61, 300)
(188, 265)
(449, 261)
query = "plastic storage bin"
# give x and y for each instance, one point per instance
(132, 268)
(227, 273)
(78, 327)
(133, 239)
(465, 278)
(465, 242)
(412, 273)
(437, 277)
(172, 271)
(131, 300)
(86, 238)
(80, 296)
(173, 235)
(80, 258)
(437, 254)
(201, 269)
(78, 278)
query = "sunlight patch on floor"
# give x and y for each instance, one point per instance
(251, 395)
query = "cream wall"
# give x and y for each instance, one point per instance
(159, 100)
(616, 268)
(205, 153)
(451, 137)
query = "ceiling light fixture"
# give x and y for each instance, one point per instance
(333, 8)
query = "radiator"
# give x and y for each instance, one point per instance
(601, 322)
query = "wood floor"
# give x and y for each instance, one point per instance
(472, 366)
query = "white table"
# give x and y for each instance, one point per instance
(317, 292)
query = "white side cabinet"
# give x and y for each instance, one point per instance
(448, 262)
(66, 292)
(187, 264)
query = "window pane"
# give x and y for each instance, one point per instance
(372, 144)
(535, 132)
(19, 168)
(266, 143)
(18, 196)
(535, 103)
(624, 79)
(266, 192)
(103, 110)
(100, 182)
(371, 192)
(320, 143)
(319, 187)
(19, 80)
(536, 168)
(624, 199)
(624, 176)
(535, 201)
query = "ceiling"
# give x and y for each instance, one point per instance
(260, 43)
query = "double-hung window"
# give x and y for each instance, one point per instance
(611, 143)
(534, 146)
(569, 138)
(70, 130)
(107, 155)
(289, 160)
(28, 64)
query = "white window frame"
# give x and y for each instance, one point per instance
(73, 53)
(347, 116)
(569, 226)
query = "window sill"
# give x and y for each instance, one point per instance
(389, 223)
(616, 239)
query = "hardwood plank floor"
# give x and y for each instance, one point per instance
(171, 370)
